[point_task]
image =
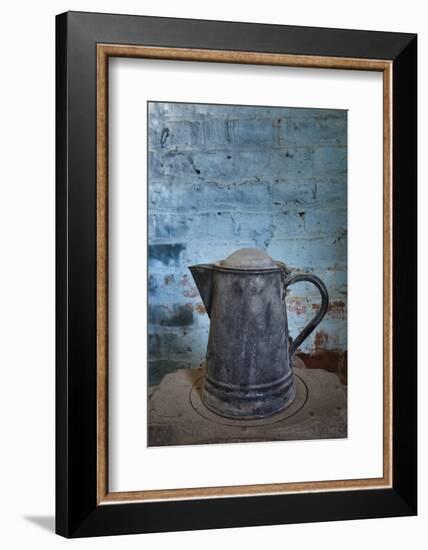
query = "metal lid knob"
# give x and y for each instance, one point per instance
(249, 258)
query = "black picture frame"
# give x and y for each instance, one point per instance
(77, 511)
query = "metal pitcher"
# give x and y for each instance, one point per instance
(249, 371)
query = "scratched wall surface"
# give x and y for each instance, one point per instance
(222, 177)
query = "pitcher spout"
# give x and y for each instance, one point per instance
(203, 277)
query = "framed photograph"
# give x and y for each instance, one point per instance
(236, 274)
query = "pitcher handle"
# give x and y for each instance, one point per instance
(313, 323)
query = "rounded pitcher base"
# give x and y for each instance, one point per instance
(249, 402)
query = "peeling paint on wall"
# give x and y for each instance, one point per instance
(224, 177)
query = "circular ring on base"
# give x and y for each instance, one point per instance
(248, 403)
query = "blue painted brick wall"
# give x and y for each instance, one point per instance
(225, 177)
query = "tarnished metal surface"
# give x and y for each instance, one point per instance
(249, 372)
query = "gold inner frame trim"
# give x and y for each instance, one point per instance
(104, 51)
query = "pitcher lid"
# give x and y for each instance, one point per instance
(249, 258)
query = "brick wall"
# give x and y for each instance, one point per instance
(225, 177)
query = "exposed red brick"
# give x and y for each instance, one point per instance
(321, 339)
(191, 293)
(200, 308)
(190, 290)
(184, 281)
(336, 309)
(296, 306)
